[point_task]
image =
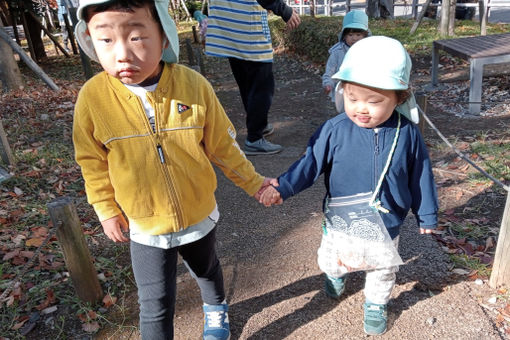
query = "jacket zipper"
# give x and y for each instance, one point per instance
(376, 154)
(166, 173)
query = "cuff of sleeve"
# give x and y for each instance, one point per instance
(284, 188)
(287, 13)
(106, 210)
(253, 188)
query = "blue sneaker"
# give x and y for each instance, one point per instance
(268, 130)
(334, 287)
(261, 147)
(375, 318)
(216, 326)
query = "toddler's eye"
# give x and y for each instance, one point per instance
(106, 40)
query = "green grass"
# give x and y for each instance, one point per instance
(472, 263)
(315, 36)
(470, 231)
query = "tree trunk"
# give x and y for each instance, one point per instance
(445, 16)
(10, 76)
(35, 36)
(451, 20)
(373, 8)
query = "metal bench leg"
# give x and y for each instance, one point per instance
(475, 86)
(435, 61)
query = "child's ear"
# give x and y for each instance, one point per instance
(166, 43)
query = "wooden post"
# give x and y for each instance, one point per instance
(195, 36)
(5, 149)
(189, 50)
(483, 15)
(15, 27)
(421, 100)
(76, 254)
(27, 36)
(70, 33)
(53, 39)
(420, 17)
(30, 63)
(501, 268)
(200, 61)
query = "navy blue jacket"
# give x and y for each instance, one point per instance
(352, 159)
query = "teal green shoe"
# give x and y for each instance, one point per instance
(375, 319)
(334, 287)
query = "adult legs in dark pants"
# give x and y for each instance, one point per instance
(256, 86)
(155, 275)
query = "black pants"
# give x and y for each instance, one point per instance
(155, 275)
(256, 85)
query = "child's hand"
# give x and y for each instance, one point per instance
(268, 181)
(270, 196)
(327, 89)
(294, 20)
(112, 228)
(425, 231)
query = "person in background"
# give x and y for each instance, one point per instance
(146, 132)
(376, 168)
(239, 31)
(62, 10)
(354, 28)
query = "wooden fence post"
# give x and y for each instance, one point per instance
(76, 254)
(5, 149)
(501, 268)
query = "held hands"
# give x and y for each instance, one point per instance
(267, 194)
(327, 89)
(270, 196)
(113, 228)
(294, 20)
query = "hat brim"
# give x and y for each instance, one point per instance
(170, 54)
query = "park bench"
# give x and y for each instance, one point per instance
(479, 51)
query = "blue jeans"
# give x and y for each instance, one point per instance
(155, 275)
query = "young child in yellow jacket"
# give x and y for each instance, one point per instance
(145, 133)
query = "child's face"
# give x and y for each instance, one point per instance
(352, 37)
(368, 107)
(128, 45)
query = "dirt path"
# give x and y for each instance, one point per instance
(273, 283)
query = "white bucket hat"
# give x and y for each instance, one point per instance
(383, 63)
(170, 54)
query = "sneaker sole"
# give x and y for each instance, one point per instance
(254, 153)
(374, 333)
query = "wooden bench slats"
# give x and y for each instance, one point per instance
(476, 47)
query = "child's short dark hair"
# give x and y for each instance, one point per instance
(354, 30)
(121, 5)
(402, 95)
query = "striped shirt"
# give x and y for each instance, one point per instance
(239, 29)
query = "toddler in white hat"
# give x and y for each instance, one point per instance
(376, 168)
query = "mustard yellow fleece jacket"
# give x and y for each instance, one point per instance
(164, 180)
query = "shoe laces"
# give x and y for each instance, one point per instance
(214, 319)
(375, 311)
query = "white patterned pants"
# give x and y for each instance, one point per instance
(378, 282)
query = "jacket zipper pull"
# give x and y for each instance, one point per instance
(376, 143)
(161, 155)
